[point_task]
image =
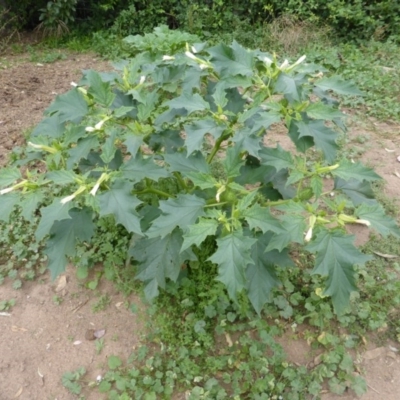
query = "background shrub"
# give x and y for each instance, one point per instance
(355, 19)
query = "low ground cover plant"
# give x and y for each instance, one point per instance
(173, 149)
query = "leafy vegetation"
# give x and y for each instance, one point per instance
(166, 158)
(114, 146)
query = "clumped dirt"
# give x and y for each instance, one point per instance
(40, 339)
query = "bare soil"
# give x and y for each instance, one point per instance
(40, 340)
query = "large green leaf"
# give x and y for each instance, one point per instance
(180, 162)
(182, 211)
(133, 143)
(324, 137)
(138, 168)
(375, 214)
(263, 120)
(101, 91)
(7, 203)
(338, 85)
(232, 60)
(70, 106)
(358, 192)
(195, 133)
(319, 110)
(9, 175)
(64, 236)
(203, 181)
(81, 150)
(261, 217)
(302, 143)
(287, 85)
(247, 141)
(109, 148)
(232, 258)
(261, 272)
(62, 177)
(348, 170)
(56, 211)
(335, 259)
(50, 126)
(277, 158)
(119, 202)
(159, 259)
(233, 161)
(189, 102)
(198, 232)
(29, 203)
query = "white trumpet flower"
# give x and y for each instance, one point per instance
(67, 199)
(102, 178)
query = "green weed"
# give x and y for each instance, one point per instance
(102, 303)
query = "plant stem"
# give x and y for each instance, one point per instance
(181, 182)
(154, 191)
(216, 204)
(215, 148)
(277, 203)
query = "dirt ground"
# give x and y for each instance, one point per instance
(40, 339)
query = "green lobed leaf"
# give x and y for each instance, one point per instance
(348, 170)
(287, 85)
(375, 214)
(277, 158)
(247, 141)
(7, 203)
(189, 102)
(335, 259)
(261, 272)
(232, 60)
(244, 203)
(147, 106)
(302, 143)
(29, 203)
(180, 162)
(159, 259)
(338, 85)
(62, 177)
(319, 110)
(119, 202)
(100, 90)
(261, 217)
(316, 184)
(81, 150)
(294, 177)
(324, 137)
(195, 133)
(233, 162)
(108, 149)
(262, 120)
(70, 106)
(181, 211)
(8, 176)
(122, 111)
(232, 258)
(203, 181)
(138, 168)
(133, 143)
(358, 192)
(56, 211)
(64, 236)
(198, 232)
(219, 95)
(50, 127)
